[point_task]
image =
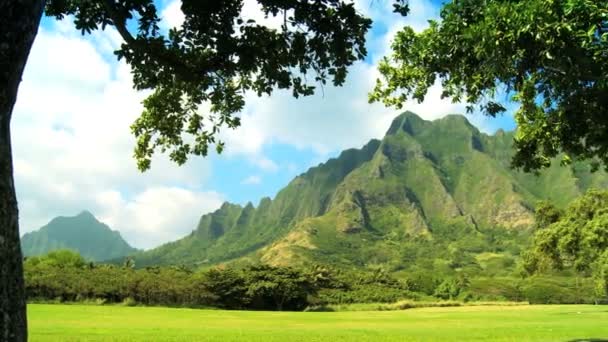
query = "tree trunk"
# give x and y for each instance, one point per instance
(20, 20)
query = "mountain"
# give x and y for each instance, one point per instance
(82, 233)
(425, 181)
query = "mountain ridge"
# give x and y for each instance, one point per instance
(422, 177)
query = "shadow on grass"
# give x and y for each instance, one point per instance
(589, 340)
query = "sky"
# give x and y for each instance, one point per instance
(72, 147)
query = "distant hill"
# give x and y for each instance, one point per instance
(82, 233)
(379, 205)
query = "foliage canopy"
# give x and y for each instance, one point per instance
(551, 54)
(216, 57)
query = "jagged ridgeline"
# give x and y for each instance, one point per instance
(361, 208)
(82, 233)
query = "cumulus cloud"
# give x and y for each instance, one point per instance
(335, 118)
(72, 142)
(156, 214)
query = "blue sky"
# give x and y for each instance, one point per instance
(73, 148)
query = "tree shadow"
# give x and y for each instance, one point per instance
(588, 340)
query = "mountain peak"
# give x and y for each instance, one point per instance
(413, 124)
(94, 240)
(407, 121)
(86, 214)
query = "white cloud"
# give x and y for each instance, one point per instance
(172, 16)
(338, 119)
(252, 180)
(421, 11)
(247, 139)
(47, 62)
(156, 214)
(72, 143)
(332, 119)
(252, 10)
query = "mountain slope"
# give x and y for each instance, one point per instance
(82, 233)
(233, 231)
(422, 180)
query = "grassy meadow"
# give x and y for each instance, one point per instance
(474, 323)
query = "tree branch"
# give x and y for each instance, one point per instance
(181, 69)
(119, 22)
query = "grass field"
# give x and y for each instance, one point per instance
(492, 323)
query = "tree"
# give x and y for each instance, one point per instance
(227, 286)
(551, 54)
(278, 288)
(215, 57)
(578, 239)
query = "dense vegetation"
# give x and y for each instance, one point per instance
(82, 233)
(576, 238)
(64, 276)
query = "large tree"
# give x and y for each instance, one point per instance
(575, 238)
(215, 57)
(551, 55)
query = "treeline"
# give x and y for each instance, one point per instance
(65, 276)
(381, 287)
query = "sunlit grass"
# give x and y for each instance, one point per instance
(479, 323)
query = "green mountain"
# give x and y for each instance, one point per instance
(427, 188)
(82, 233)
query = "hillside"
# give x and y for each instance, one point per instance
(427, 188)
(82, 233)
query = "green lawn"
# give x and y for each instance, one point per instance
(491, 323)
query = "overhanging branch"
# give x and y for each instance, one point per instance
(120, 22)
